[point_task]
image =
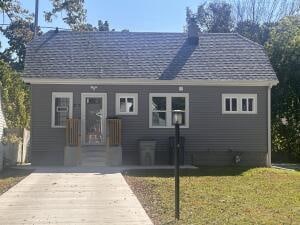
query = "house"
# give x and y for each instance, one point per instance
(2, 126)
(220, 81)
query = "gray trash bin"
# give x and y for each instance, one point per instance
(147, 152)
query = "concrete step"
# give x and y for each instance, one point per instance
(92, 164)
(93, 148)
(93, 159)
(93, 154)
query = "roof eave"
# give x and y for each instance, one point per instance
(131, 81)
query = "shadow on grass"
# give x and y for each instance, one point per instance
(200, 171)
(14, 173)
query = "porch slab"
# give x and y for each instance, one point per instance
(72, 195)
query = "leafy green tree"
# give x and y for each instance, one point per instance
(74, 11)
(284, 51)
(254, 31)
(19, 33)
(213, 18)
(15, 97)
(103, 26)
(12, 9)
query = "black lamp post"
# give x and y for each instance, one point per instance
(177, 120)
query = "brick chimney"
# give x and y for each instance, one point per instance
(193, 32)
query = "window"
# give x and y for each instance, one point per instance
(162, 106)
(62, 103)
(126, 104)
(239, 103)
(230, 104)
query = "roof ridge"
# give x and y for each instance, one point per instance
(248, 40)
(116, 32)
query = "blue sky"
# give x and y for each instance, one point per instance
(135, 15)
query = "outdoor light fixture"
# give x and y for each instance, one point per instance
(177, 117)
(177, 120)
(94, 88)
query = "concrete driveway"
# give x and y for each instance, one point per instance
(72, 196)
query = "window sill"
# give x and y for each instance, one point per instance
(58, 126)
(172, 127)
(127, 114)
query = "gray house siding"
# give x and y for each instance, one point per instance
(212, 138)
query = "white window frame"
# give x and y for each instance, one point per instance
(127, 95)
(61, 95)
(239, 98)
(168, 97)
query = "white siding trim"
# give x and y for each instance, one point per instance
(239, 103)
(269, 161)
(127, 95)
(104, 106)
(135, 81)
(61, 95)
(169, 109)
(2, 118)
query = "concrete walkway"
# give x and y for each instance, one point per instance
(72, 196)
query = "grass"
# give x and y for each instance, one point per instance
(10, 177)
(224, 195)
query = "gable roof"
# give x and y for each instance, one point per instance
(156, 56)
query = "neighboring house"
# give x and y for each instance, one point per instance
(222, 82)
(2, 118)
(2, 126)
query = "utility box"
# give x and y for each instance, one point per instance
(147, 152)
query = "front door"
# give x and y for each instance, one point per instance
(93, 118)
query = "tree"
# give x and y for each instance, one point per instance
(19, 33)
(254, 31)
(263, 11)
(213, 18)
(284, 51)
(12, 9)
(15, 97)
(75, 13)
(103, 26)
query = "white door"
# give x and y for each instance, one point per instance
(93, 118)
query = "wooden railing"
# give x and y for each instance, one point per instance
(114, 134)
(72, 132)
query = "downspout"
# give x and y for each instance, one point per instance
(269, 163)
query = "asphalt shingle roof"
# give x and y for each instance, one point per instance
(66, 54)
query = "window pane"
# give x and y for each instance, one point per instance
(159, 119)
(158, 103)
(129, 104)
(61, 115)
(122, 105)
(178, 103)
(244, 104)
(183, 118)
(250, 104)
(233, 104)
(227, 104)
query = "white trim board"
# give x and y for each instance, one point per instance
(168, 109)
(132, 81)
(269, 161)
(127, 95)
(104, 107)
(61, 95)
(239, 98)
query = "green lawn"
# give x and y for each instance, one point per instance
(224, 195)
